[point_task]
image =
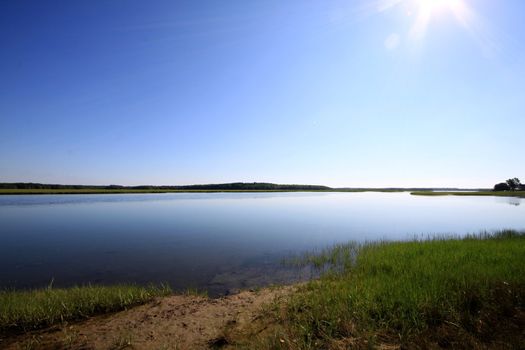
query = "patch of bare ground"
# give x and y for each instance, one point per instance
(174, 322)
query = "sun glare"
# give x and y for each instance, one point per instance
(427, 10)
(436, 6)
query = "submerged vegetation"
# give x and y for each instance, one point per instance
(447, 292)
(26, 310)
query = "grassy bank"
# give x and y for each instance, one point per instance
(460, 293)
(476, 193)
(25, 310)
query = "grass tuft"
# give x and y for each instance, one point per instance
(196, 292)
(26, 310)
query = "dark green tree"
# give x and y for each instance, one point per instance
(502, 186)
(514, 183)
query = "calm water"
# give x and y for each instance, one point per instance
(216, 241)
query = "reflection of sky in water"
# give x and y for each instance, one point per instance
(187, 239)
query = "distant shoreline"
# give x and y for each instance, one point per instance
(21, 188)
(47, 191)
(65, 192)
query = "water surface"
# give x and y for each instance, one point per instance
(214, 241)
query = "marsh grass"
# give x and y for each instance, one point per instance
(26, 310)
(195, 292)
(470, 193)
(400, 291)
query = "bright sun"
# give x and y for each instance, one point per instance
(428, 9)
(436, 6)
(424, 12)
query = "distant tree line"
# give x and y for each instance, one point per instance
(39, 186)
(261, 186)
(513, 184)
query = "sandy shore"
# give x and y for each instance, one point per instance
(174, 322)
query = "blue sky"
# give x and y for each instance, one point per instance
(342, 93)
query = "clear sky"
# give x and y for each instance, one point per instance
(341, 93)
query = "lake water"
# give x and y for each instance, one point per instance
(214, 241)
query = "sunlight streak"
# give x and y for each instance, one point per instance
(428, 9)
(384, 5)
(468, 19)
(420, 26)
(425, 11)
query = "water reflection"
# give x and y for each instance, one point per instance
(514, 201)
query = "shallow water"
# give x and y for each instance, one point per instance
(214, 241)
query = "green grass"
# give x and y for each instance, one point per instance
(408, 292)
(476, 193)
(25, 310)
(195, 292)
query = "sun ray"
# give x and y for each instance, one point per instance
(383, 5)
(425, 11)
(420, 26)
